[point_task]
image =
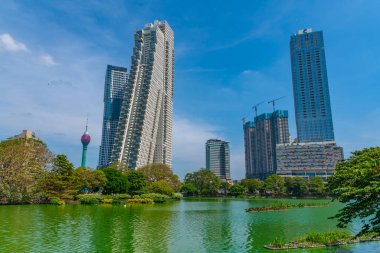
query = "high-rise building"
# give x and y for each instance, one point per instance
(114, 89)
(85, 141)
(249, 128)
(310, 87)
(144, 132)
(267, 130)
(218, 158)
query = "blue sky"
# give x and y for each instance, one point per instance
(229, 56)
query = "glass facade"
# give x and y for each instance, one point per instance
(218, 158)
(114, 89)
(310, 87)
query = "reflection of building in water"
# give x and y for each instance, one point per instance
(308, 159)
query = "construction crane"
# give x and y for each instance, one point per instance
(274, 101)
(255, 107)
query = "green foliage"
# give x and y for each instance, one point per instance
(327, 238)
(116, 182)
(284, 205)
(22, 165)
(237, 190)
(161, 187)
(296, 186)
(89, 199)
(140, 201)
(274, 185)
(357, 184)
(253, 185)
(107, 201)
(62, 166)
(118, 196)
(137, 181)
(189, 189)
(88, 180)
(161, 172)
(177, 195)
(205, 182)
(56, 201)
(157, 198)
(317, 187)
(225, 187)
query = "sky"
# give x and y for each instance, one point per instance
(229, 55)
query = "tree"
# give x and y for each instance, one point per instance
(253, 185)
(296, 186)
(160, 172)
(22, 165)
(317, 186)
(189, 189)
(162, 187)
(237, 190)
(206, 182)
(59, 182)
(356, 183)
(88, 180)
(225, 187)
(275, 185)
(137, 181)
(117, 182)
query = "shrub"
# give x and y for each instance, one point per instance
(89, 199)
(157, 198)
(120, 196)
(107, 201)
(140, 201)
(177, 195)
(57, 201)
(161, 187)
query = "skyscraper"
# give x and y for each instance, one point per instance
(310, 87)
(249, 129)
(218, 158)
(114, 89)
(144, 132)
(267, 130)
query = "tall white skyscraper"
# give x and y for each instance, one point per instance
(144, 132)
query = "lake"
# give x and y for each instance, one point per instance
(191, 225)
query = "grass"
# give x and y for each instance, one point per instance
(285, 205)
(317, 239)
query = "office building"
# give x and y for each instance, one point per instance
(144, 132)
(310, 87)
(218, 158)
(308, 159)
(114, 89)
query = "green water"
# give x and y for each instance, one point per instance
(183, 226)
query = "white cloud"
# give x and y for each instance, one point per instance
(47, 59)
(7, 43)
(189, 138)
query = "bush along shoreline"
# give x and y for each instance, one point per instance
(284, 206)
(94, 199)
(319, 240)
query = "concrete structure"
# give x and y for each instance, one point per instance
(310, 87)
(249, 129)
(308, 159)
(218, 158)
(85, 141)
(25, 134)
(260, 139)
(144, 132)
(114, 89)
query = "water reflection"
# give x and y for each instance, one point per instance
(185, 226)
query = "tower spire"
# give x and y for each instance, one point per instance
(85, 141)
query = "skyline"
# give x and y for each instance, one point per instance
(219, 62)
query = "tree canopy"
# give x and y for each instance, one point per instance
(357, 184)
(204, 181)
